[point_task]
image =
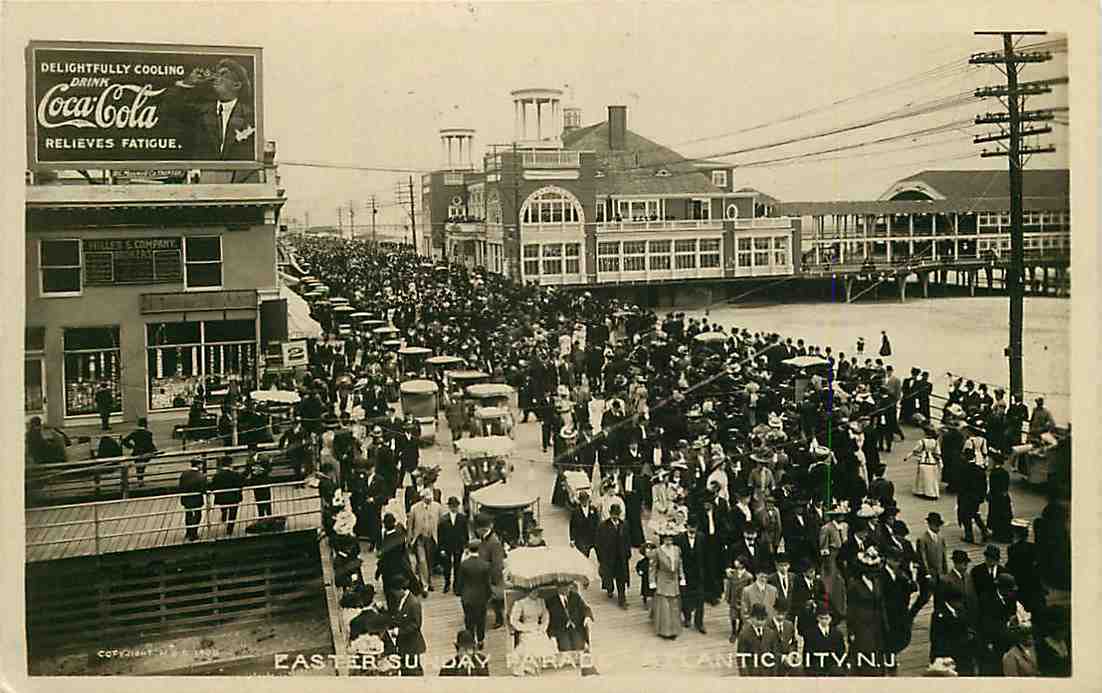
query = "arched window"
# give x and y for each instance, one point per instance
(552, 205)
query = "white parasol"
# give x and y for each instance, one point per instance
(532, 567)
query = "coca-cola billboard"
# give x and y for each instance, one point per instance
(139, 106)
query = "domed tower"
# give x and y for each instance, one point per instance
(537, 118)
(456, 146)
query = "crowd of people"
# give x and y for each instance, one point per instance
(725, 469)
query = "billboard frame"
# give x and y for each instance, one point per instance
(255, 52)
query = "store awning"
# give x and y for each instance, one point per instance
(299, 323)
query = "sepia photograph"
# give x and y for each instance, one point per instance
(536, 341)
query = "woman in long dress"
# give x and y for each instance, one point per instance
(927, 458)
(529, 619)
(669, 576)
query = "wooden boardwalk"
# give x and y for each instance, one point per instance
(624, 641)
(87, 529)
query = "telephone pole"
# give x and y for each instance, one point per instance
(413, 216)
(374, 211)
(352, 221)
(340, 221)
(1013, 96)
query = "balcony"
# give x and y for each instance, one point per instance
(551, 159)
(763, 223)
(667, 225)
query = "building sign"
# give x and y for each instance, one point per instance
(132, 261)
(138, 106)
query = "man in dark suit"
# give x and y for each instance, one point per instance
(783, 580)
(807, 587)
(951, 632)
(755, 549)
(472, 584)
(953, 618)
(219, 105)
(376, 492)
(824, 647)
(394, 564)
(583, 525)
(452, 536)
(898, 587)
(194, 482)
(932, 560)
(569, 618)
(692, 562)
(785, 632)
(406, 615)
(757, 645)
(226, 484)
(613, 553)
(491, 550)
(141, 445)
(992, 620)
(985, 575)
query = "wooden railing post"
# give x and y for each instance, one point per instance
(95, 525)
(124, 479)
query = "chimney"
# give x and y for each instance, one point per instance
(617, 126)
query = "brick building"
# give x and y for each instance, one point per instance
(598, 205)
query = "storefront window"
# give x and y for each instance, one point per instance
(91, 357)
(229, 355)
(183, 355)
(173, 363)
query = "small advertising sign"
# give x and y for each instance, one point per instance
(294, 354)
(140, 106)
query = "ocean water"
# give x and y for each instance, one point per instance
(964, 335)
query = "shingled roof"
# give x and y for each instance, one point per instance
(633, 169)
(959, 185)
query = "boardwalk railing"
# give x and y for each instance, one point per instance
(103, 523)
(118, 477)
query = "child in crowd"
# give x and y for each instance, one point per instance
(647, 585)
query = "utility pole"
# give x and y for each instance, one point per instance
(340, 221)
(374, 211)
(413, 216)
(1015, 94)
(352, 221)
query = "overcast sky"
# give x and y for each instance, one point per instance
(370, 84)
